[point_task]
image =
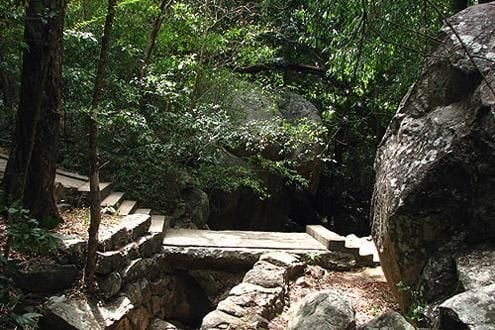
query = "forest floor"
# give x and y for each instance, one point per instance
(366, 288)
(76, 222)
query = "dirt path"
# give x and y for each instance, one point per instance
(366, 288)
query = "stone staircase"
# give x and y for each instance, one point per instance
(115, 202)
(362, 248)
(132, 275)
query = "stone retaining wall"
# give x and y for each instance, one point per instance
(135, 282)
(261, 295)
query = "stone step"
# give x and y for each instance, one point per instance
(105, 189)
(332, 241)
(126, 207)
(143, 211)
(367, 253)
(113, 200)
(131, 228)
(143, 247)
(159, 224)
(353, 244)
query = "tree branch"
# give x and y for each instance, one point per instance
(283, 65)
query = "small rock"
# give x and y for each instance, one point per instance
(107, 262)
(292, 263)
(231, 308)
(324, 310)
(163, 285)
(220, 320)
(265, 302)
(110, 285)
(266, 275)
(390, 320)
(140, 268)
(301, 281)
(62, 207)
(139, 318)
(158, 324)
(133, 292)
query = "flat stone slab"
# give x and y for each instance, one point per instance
(327, 238)
(241, 239)
(242, 259)
(66, 178)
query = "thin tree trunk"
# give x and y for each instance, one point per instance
(7, 86)
(199, 70)
(30, 172)
(94, 180)
(150, 45)
(155, 29)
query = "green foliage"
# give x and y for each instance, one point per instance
(10, 318)
(174, 120)
(229, 178)
(417, 311)
(312, 258)
(26, 234)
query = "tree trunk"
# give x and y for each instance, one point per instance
(94, 179)
(30, 172)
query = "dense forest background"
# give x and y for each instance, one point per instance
(168, 112)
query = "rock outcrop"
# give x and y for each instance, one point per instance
(242, 209)
(435, 179)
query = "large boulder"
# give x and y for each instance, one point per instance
(324, 310)
(262, 114)
(435, 179)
